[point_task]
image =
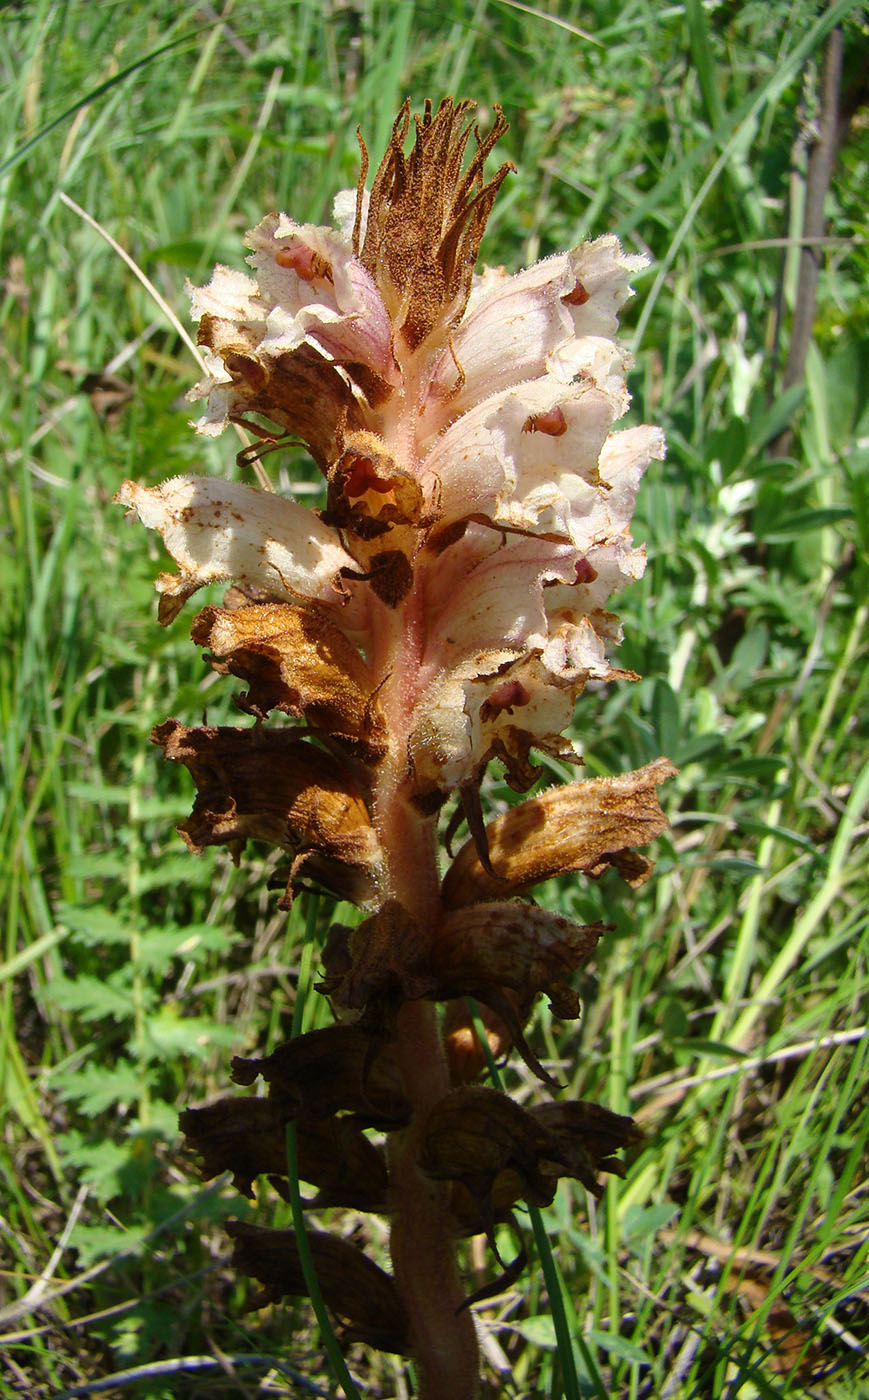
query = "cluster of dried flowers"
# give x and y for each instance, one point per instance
(444, 609)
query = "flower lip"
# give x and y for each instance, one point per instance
(217, 530)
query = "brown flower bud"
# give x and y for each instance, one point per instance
(501, 1153)
(426, 217)
(474, 1134)
(585, 1136)
(377, 963)
(582, 826)
(335, 1069)
(511, 944)
(465, 1054)
(296, 660)
(248, 1138)
(351, 1284)
(269, 785)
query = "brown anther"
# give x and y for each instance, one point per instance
(305, 262)
(553, 423)
(585, 572)
(577, 297)
(509, 694)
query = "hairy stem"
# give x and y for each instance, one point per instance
(423, 1253)
(423, 1249)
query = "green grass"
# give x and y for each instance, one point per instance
(728, 1010)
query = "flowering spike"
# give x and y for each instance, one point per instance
(442, 611)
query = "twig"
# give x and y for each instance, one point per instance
(675, 1088)
(819, 174)
(187, 1363)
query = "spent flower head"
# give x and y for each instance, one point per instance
(443, 609)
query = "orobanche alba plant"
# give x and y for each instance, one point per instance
(442, 611)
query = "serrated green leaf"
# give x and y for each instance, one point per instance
(102, 865)
(159, 946)
(95, 1242)
(91, 998)
(171, 870)
(170, 1035)
(98, 1087)
(95, 924)
(100, 1165)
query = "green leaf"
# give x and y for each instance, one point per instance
(749, 654)
(778, 417)
(96, 1087)
(159, 946)
(170, 1035)
(539, 1331)
(619, 1346)
(665, 716)
(94, 1242)
(91, 998)
(95, 924)
(802, 522)
(99, 1165)
(674, 1020)
(711, 1047)
(638, 1222)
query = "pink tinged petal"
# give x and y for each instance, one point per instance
(510, 327)
(313, 290)
(609, 559)
(218, 390)
(230, 296)
(218, 530)
(585, 602)
(494, 601)
(517, 328)
(528, 458)
(467, 709)
(575, 652)
(602, 273)
(623, 461)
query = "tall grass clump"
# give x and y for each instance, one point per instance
(725, 1012)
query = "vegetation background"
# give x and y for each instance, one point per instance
(728, 1010)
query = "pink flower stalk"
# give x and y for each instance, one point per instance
(446, 608)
